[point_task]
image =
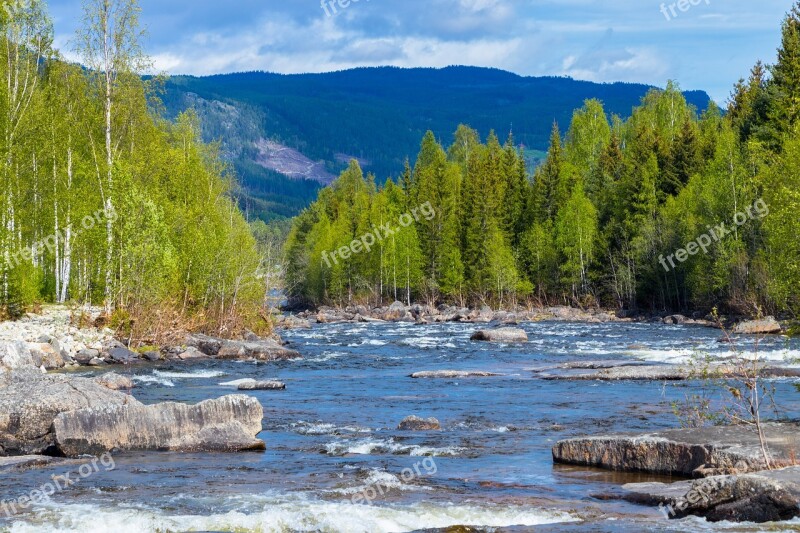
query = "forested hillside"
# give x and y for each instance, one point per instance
(673, 208)
(376, 115)
(103, 202)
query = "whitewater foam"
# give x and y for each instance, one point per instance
(286, 514)
(371, 446)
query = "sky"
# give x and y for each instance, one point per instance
(707, 46)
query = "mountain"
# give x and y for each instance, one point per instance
(288, 135)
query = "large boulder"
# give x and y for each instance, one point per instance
(121, 356)
(114, 381)
(14, 355)
(30, 401)
(225, 424)
(508, 335)
(395, 312)
(44, 354)
(766, 496)
(748, 498)
(767, 326)
(689, 452)
(675, 320)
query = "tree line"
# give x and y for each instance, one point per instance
(169, 243)
(589, 226)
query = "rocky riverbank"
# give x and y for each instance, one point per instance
(59, 414)
(52, 341)
(428, 314)
(734, 484)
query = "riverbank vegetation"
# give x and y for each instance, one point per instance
(100, 199)
(595, 223)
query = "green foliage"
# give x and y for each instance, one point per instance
(609, 207)
(376, 114)
(142, 218)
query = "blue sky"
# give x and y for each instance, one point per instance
(708, 46)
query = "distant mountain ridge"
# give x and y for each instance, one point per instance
(313, 123)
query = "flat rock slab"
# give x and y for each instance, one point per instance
(444, 374)
(30, 401)
(261, 385)
(647, 372)
(224, 424)
(686, 452)
(26, 461)
(508, 335)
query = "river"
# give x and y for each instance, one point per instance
(331, 437)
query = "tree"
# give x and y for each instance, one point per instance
(110, 46)
(576, 232)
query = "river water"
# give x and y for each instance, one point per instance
(332, 440)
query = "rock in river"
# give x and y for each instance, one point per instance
(225, 424)
(261, 385)
(767, 496)
(262, 350)
(415, 423)
(453, 374)
(114, 381)
(688, 452)
(30, 401)
(500, 335)
(767, 326)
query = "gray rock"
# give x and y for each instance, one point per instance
(14, 355)
(225, 424)
(509, 335)
(261, 385)
(122, 356)
(114, 381)
(204, 343)
(767, 326)
(96, 361)
(30, 401)
(191, 353)
(24, 462)
(675, 319)
(84, 356)
(43, 354)
(686, 452)
(265, 350)
(767, 496)
(294, 322)
(453, 374)
(152, 356)
(395, 312)
(415, 423)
